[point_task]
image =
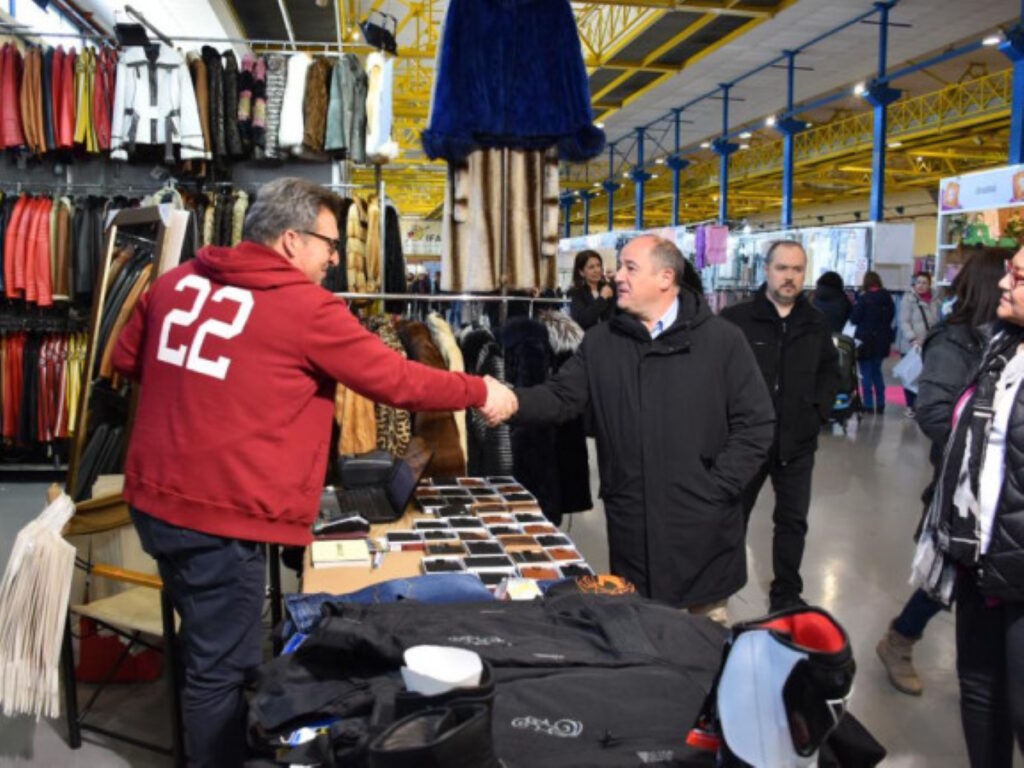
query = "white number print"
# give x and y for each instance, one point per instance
(192, 359)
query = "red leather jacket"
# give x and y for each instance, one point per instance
(11, 134)
(12, 239)
(103, 96)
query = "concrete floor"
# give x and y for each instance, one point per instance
(865, 508)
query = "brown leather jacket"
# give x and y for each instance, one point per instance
(11, 134)
(316, 100)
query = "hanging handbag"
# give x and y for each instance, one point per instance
(377, 33)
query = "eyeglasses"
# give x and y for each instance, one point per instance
(1016, 279)
(333, 244)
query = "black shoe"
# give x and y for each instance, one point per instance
(785, 602)
(879, 410)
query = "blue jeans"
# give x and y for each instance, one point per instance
(916, 614)
(872, 383)
(216, 585)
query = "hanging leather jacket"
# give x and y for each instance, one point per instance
(46, 78)
(215, 86)
(103, 97)
(154, 104)
(31, 102)
(67, 96)
(11, 134)
(200, 82)
(232, 135)
(85, 81)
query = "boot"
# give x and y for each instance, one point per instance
(896, 652)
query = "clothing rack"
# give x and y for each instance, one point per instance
(448, 298)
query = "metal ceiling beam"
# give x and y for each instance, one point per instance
(696, 6)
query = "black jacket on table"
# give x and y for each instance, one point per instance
(683, 422)
(587, 310)
(799, 363)
(873, 314)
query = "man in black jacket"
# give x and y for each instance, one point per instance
(683, 422)
(793, 345)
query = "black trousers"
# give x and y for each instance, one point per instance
(990, 665)
(217, 587)
(791, 481)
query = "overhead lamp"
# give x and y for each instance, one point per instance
(746, 135)
(625, 174)
(660, 161)
(859, 89)
(808, 123)
(895, 144)
(705, 145)
(770, 121)
(597, 184)
(992, 40)
(355, 33)
(599, 125)
(744, 146)
(654, 175)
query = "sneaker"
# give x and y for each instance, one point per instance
(910, 413)
(778, 603)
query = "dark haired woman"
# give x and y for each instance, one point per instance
(593, 298)
(873, 314)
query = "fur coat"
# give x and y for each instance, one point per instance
(525, 88)
(471, 223)
(436, 428)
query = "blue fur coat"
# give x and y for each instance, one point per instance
(510, 73)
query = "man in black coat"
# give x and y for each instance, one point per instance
(683, 422)
(792, 342)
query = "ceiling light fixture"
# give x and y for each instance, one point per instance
(770, 121)
(599, 125)
(744, 146)
(746, 135)
(654, 175)
(597, 183)
(705, 145)
(895, 144)
(992, 40)
(660, 161)
(859, 89)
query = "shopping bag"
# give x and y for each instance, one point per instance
(849, 329)
(908, 369)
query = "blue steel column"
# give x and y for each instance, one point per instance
(789, 127)
(676, 162)
(881, 96)
(566, 201)
(586, 196)
(640, 178)
(1013, 48)
(611, 187)
(724, 148)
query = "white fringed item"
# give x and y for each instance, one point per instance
(33, 608)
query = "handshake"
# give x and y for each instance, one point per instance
(501, 402)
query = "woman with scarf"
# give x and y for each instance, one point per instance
(972, 546)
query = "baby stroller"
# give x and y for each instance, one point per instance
(847, 401)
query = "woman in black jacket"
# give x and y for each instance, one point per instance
(830, 298)
(972, 543)
(593, 298)
(873, 315)
(951, 352)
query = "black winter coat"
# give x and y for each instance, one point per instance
(587, 310)
(835, 306)
(950, 355)
(799, 363)
(873, 315)
(683, 423)
(233, 136)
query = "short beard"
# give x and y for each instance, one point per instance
(780, 299)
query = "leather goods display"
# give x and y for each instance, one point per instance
(380, 486)
(366, 469)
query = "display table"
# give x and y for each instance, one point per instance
(343, 579)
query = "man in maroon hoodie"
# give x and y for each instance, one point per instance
(238, 352)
